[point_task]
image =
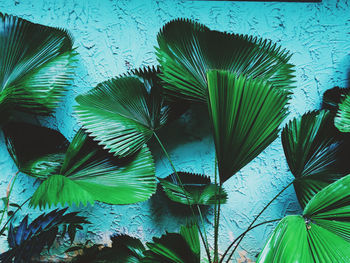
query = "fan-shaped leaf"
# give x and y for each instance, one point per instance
(312, 153)
(174, 247)
(245, 114)
(37, 151)
(196, 189)
(332, 97)
(122, 113)
(35, 66)
(98, 177)
(188, 50)
(83, 173)
(322, 234)
(342, 120)
(28, 240)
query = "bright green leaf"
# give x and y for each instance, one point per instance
(342, 120)
(246, 115)
(122, 113)
(322, 234)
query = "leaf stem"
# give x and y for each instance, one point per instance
(4, 227)
(204, 240)
(216, 227)
(256, 218)
(8, 195)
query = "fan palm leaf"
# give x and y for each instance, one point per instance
(35, 66)
(194, 189)
(342, 119)
(312, 153)
(123, 113)
(321, 234)
(183, 247)
(188, 50)
(332, 98)
(85, 173)
(246, 115)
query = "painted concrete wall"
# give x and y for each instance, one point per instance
(112, 36)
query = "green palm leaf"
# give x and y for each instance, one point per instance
(187, 50)
(322, 234)
(245, 115)
(196, 189)
(37, 151)
(342, 120)
(122, 113)
(35, 66)
(312, 153)
(85, 173)
(180, 247)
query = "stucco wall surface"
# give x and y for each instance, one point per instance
(114, 36)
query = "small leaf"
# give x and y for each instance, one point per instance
(197, 189)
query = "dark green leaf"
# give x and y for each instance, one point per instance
(37, 151)
(174, 247)
(246, 115)
(312, 153)
(332, 98)
(322, 234)
(122, 113)
(197, 189)
(342, 120)
(88, 173)
(35, 66)
(188, 50)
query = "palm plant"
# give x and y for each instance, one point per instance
(36, 64)
(80, 172)
(245, 83)
(246, 92)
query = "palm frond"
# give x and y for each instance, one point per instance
(180, 247)
(342, 119)
(194, 189)
(188, 50)
(37, 151)
(332, 97)
(312, 153)
(246, 115)
(322, 234)
(36, 64)
(122, 113)
(83, 173)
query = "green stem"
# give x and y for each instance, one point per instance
(251, 228)
(256, 218)
(8, 197)
(216, 227)
(4, 227)
(204, 240)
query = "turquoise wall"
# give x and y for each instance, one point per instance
(112, 36)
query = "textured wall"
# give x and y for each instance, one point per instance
(112, 36)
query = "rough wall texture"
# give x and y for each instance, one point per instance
(113, 36)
